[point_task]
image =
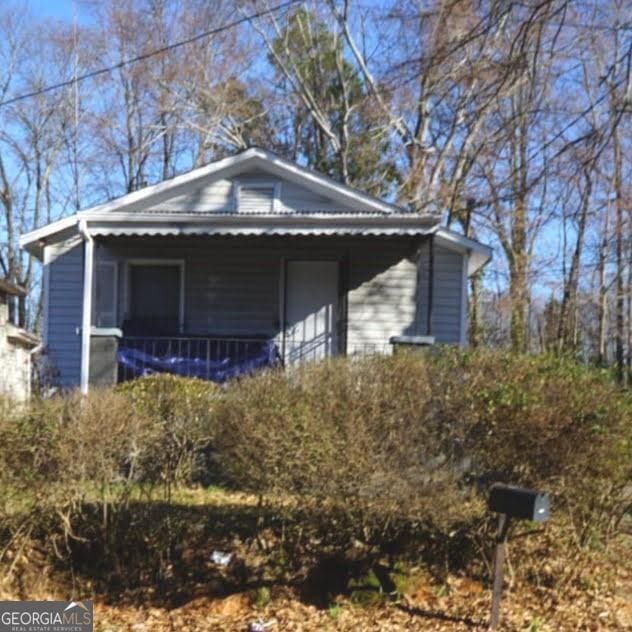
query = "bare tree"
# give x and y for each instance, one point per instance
(31, 139)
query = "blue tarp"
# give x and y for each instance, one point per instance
(226, 362)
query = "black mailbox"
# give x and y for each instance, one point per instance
(517, 502)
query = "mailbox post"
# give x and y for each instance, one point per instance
(511, 502)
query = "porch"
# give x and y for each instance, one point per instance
(219, 307)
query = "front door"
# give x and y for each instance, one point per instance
(311, 298)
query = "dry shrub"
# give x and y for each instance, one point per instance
(407, 441)
(382, 454)
(79, 472)
(355, 444)
(181, 410)
(544, 422)
(68, 446)
(63, 457)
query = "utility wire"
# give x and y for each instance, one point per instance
(157, 51)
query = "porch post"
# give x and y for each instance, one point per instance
(429, 306)
(86, 322)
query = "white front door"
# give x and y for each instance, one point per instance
(311, 297)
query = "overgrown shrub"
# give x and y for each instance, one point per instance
(69, 446)
(62, 457)
(351, 458)
(70, 454)
(181, 410)
(410, 439)
(544, 422)
(356, 444)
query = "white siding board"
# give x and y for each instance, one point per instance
(214, 196)
(382, 298)
(447, 305)
(297, 198)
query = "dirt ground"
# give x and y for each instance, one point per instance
(539, 596)
(466, 607)
(458, 604)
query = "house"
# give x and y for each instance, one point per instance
(249, 257)
(16, 348)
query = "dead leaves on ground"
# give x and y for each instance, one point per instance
(461, 604)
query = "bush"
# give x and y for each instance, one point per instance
(67, 452)
(407, 441)
(63, 456)
(356, 444)
(72, 444)
(544, 422)
(181, 411)
(356, 458)
(81, 474)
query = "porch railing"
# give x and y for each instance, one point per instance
(216, 358)
(210, 358)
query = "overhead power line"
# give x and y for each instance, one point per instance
(152, 53)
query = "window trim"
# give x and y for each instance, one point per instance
(275, 185)
(129, 263)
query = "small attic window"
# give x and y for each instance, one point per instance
(257, 197)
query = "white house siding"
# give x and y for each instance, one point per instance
(63, 263)
(448, 313)
(15, 359)
(382, 295)
(215, 196)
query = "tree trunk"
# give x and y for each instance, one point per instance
(518, 269)
(620, 296)
(567, 328)
(602, 310)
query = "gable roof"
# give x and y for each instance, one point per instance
(254, 158)
(142, 212)
(251, 158)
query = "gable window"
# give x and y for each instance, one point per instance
(257, 197)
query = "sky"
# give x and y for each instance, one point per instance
(63, 10)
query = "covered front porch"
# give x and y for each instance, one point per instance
(217, 307)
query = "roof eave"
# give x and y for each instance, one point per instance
(478, 254)
(35, 241)
(139, 224)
